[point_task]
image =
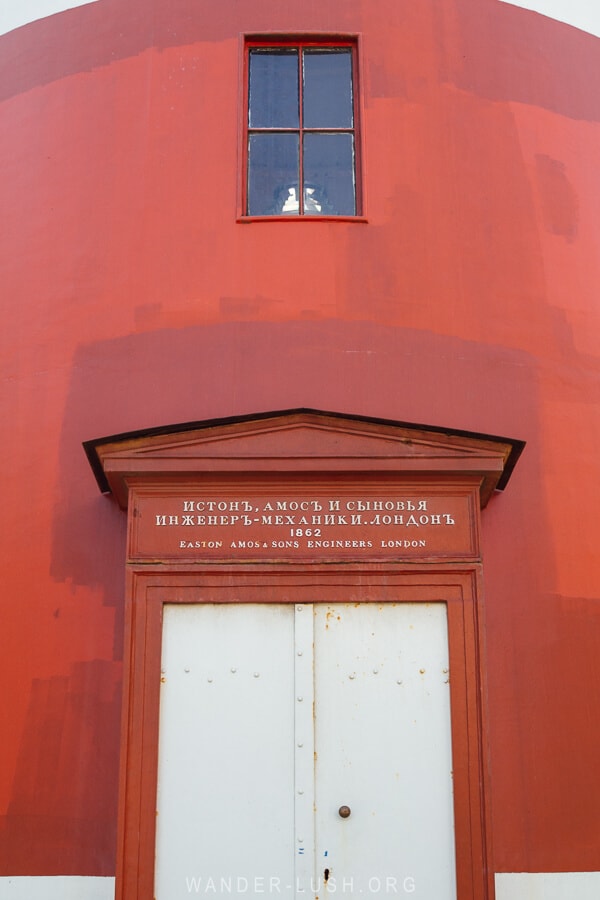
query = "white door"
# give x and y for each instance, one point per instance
(305, 752)
(383, 750)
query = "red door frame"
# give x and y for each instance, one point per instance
(151, 587)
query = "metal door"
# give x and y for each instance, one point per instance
(383, 750)
(305, 751)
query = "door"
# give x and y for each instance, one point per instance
(305, 751)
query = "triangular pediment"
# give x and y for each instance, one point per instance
(300, 441)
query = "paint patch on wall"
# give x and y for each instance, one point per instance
(559, 200)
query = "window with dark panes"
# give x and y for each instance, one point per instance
(301, 130)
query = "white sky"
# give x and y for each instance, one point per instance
(584, 14)
(14, 13)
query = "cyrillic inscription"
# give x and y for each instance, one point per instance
(296, 526)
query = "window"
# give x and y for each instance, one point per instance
(301, 140)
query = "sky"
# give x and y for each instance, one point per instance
(584, 14)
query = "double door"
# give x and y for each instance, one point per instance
(305, 751)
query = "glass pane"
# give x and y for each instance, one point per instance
(273, 89)
(273, 175)
(329, 175)
(327, 76)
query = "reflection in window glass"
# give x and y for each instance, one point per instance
(329, 174)
(273, 89)
(327, 89)
(273, 171)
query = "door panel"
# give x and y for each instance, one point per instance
(225, 796)
(383, 748)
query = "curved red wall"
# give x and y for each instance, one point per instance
(133, 298)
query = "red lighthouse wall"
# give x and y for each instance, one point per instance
(134, 297)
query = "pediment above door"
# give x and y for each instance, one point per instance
(301, 441)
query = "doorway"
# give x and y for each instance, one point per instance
(305, 750)
(261, 520)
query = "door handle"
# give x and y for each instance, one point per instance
(344, 812)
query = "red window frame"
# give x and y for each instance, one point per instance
(301, 44)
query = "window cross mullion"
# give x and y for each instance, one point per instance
(300, 130)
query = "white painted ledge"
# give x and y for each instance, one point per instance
(509, 886)
(548, 886)
(56, 887)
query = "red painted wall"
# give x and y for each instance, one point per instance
(132, 298)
